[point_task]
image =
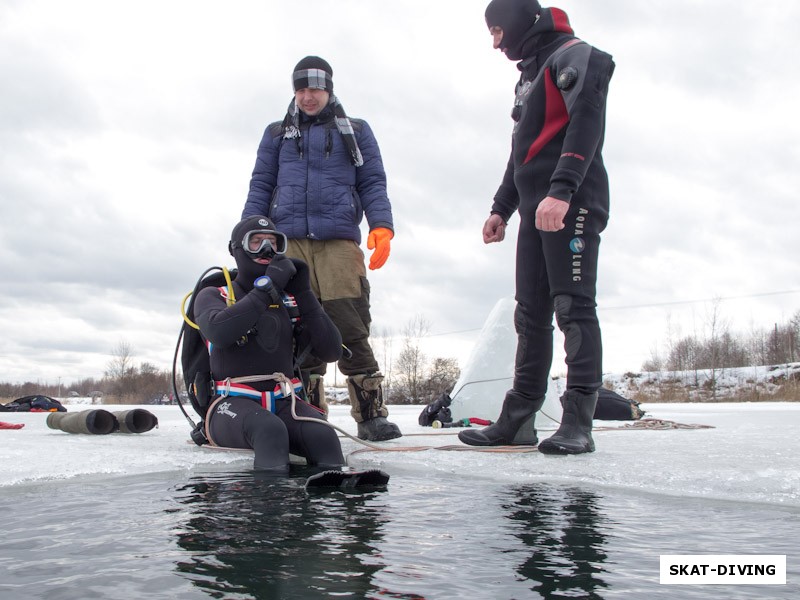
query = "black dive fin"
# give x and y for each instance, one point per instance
(348, 479)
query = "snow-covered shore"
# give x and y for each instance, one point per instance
(756, 383)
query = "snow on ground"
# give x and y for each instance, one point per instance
(749, 454)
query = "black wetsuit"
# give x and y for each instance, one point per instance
(556, 152)
(256, 336)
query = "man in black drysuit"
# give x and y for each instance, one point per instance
(273, 309)
(557, 181)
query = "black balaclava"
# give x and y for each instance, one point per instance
(249, 270)
(313, 72)
(515, 18)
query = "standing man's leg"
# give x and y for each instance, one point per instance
(364, 381)
(341, 282)
(572, 256)
(311, 371)
(533, 321)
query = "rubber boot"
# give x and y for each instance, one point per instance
(137, 420)
(574, 435)
(316, 393)
(514, 426)
(96, 422)
(368, 409)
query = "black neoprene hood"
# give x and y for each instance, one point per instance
(514, 17)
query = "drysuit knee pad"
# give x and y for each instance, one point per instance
(573, 338)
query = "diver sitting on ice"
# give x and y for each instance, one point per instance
(253, 336)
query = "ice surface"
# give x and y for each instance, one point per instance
(750, 455)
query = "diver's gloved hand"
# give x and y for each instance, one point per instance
(300, 288)
(301, 282)
(280, 270)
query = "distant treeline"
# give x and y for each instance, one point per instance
(708, 355)
(717, 347)
(123, 383)
(139, 385)
(414, 380)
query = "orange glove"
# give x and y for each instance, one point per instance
(378, 240)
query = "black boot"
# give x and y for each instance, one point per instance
(378, 429)
(574, 436)
(368, 409)
(514, 426)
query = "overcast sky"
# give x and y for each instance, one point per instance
(128, 133)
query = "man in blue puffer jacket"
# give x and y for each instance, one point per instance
(317, 174)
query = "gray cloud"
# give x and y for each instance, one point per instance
(127, 153)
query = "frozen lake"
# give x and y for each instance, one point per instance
(151, 515)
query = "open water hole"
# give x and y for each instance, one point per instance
(236, 535)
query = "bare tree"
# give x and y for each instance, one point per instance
(683, 355)
(150, 383)
(794, 337)
(121, 363)
(411, 362)
(444, 373)
(715, 326)
(382, 342)
(655, 363)
(120, 369)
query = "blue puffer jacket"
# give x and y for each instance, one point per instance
(319, 194)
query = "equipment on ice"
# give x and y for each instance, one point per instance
(102, 422)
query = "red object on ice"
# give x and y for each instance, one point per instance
(4, 425)
(477, 421)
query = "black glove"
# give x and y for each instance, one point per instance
(301, 282)
(280, 270)
(300, 288)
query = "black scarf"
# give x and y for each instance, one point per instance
(291, 128)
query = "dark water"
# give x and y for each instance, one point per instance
(236, 535)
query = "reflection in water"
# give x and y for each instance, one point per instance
(562, 529)
(247, 536)
(251, 536)
(429, 535)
